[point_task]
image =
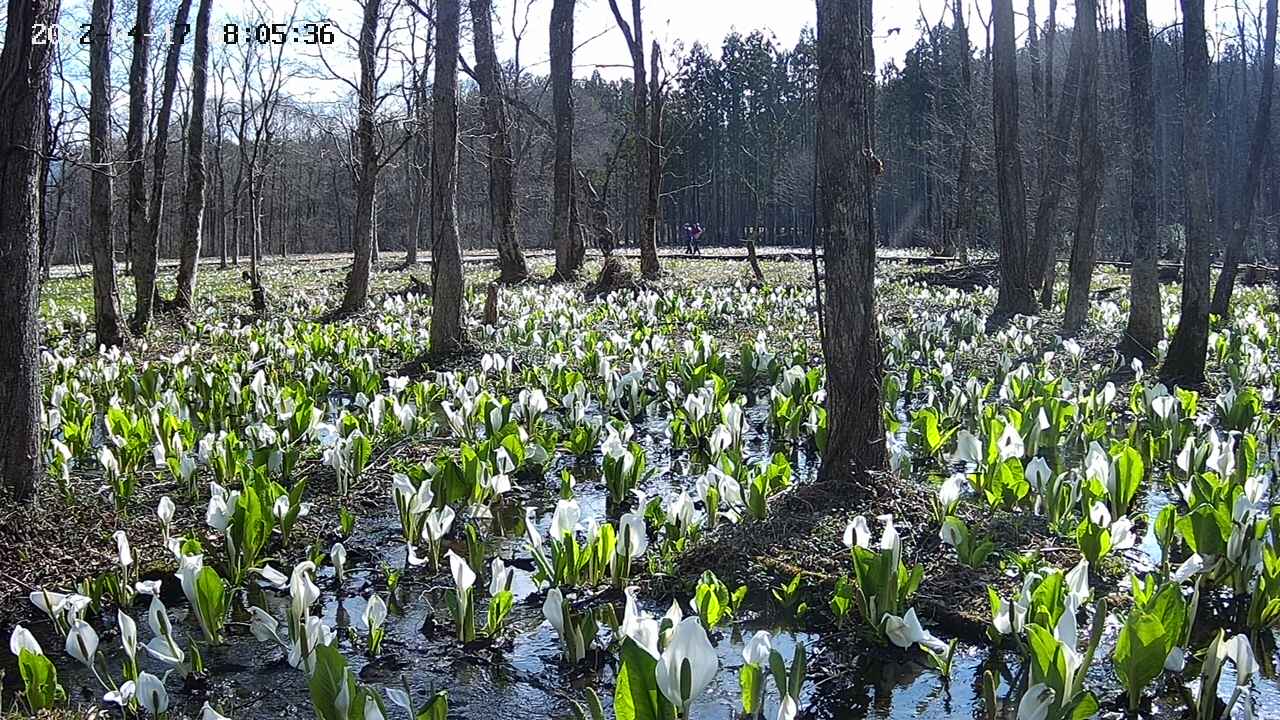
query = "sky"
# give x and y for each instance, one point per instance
(600, 45)
(708, 21)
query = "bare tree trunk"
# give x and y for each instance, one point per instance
(649, 234)
(1017, 276)
(193, 202)
(1253, 174)
(1056, 145)
(964, 176)
(366, 170)
(160, 151)
(649, 266)
(1185, 361)
(502, 163)
(106, 297)
(845, 159)
(1089, 172)
(1146, 323)
(144, 253)
(447, 283)
(568, 255)
(23, 117)
(420, 166)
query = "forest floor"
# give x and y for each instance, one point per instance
(57, 543)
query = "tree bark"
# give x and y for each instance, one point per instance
(569, 254)
(1146, 323)
(649, 233)
(357, 295)
(1253, 174)
(1185, 361)
(502, 162)
(648, 239)
(846, 176)
(144, 253)
(1056, 145)
(160, 151)
(447, 283)
(1089, 172)
(193, 201)
(23, 119)
(1017, 276)
(964, 176)
(106, 297)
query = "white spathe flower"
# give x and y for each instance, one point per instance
(950, 533)
(375, 612)
(273, 577)
(564, 521)
(857, 533)
(1189, 568)
(1038, 473)
(688, 648)
(122, 696)
(951, 490)
(150, 693)
(968, 448)
(1240, 650)
(338, 556)
(189, 567)
(1036, 702)
(1078, 582)
(756, 652)
(463, 576)
(500, 576)
(553, 610)
(22, 639)
(1010, 443)
(165, 510)
(124, 554)
(437, 524)
(633, 538)
(82, 643)
(128, 634)
(303, 592)
(906, 631)
(680, 511)
(788, 709)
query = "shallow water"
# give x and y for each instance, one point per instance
(525, 678)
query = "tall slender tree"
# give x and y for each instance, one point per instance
(25, 62)
(633, 32)
(1185, 361)
(847, 168)
(144, 253)
(502, 161)
(106, 296)
(193, 201)
(366, 165)
(447, 283)
(1017, 291)
(1145, 329)
(1089, 172)
(964, 174)
(1056, 144)
(160, 152)
(569, 250)
(1253, 174)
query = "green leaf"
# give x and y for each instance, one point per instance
(1139, 653)
(636, 695)
(327, 681)
(40, 680)
(437, 709)
(751, 680)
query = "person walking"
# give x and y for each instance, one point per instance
(695, 236)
